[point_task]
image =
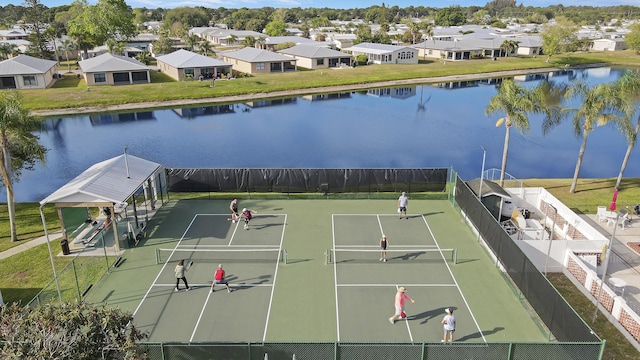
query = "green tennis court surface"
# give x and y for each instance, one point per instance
(332, 286)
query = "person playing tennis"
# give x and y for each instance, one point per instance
(401, 297)
(403, 201)
(248, 215)
(180, 270)
(233, 206)
(383, 248)
(218, 278)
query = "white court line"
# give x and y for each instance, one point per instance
(195, 328)
(163, 267)
(335, 274)
(406, 285)
(378, 246)
(456, 282)
(380, 225)
(195, 247)
(208, 285)
(275, 274)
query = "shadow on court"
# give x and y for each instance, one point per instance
(478, 335)
(426, 316)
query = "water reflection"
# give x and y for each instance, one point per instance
(420, 126)
(192, 112)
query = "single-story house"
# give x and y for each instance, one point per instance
(27, 72)
(128, 51)
(448, 50)
(342, 41)
(229, 36)
(529, 46)
(616, 44)
(255, 61)
(313, 57)
(385, 54)
(184, 64)
(109, 69)
(272, 41)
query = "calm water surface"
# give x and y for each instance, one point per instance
(410, 127)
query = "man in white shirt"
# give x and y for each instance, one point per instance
(403, 200)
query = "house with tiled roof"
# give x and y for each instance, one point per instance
(255, 61)
(314, 57)
(185, 64)
(109, 69)
(385, 54)
(27, 72)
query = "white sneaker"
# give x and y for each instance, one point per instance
(246, 227)
(384, 260)
(380, 259)
(391, 320)
(233, 221)
(188, 289)
(177, 289)
(229, 290)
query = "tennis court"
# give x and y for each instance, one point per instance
(332, 286)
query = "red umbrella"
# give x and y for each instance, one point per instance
(612, 207)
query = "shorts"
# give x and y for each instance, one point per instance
(399, 310)
(217, 282)
(403, 208)
(447, 332)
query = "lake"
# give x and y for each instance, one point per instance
(422, 126)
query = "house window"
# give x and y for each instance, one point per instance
(260, 66)
(99, 78)
(29, 80)
(190, 72)
(430, 52)
(320, 62)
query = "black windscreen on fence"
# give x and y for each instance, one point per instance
(554, 311)
(307, 180)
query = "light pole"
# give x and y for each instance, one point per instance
(484, 155)
(553, 227)
(606, 265)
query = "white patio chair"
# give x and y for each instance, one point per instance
(602, 215)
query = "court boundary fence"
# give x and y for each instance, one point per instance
(367, 351)
(559, 317)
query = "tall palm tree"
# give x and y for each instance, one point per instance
(599, 105)
(67, 46)
(515, 102)
(192, 41)
(205, 48)
(19, 147)
(6, 50)
(629, 89)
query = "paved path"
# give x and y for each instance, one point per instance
(30, 244)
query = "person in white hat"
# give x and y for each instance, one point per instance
(401, 297)
(403, 201)
(449, 322)
(248, 215)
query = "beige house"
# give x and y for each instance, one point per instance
(385, 54)
(184, 64)
(313, 57)
(255, 61)
(27, 72)
(109, 69)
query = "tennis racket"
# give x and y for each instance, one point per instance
(190, 265)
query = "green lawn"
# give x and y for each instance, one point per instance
(73, 93)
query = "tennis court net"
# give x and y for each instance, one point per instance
(345, 256)
(262, 255)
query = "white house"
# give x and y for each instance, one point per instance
(385, 54)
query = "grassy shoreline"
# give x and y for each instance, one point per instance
(71, 95)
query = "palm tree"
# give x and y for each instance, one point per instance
(19, 147)
(7, 49)
(232, 40)
(192, 41)
(67, 46)
(205, 48)
(515, 101)
(249, 41)
(509, 46)
(629, 88)
(599, 105)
